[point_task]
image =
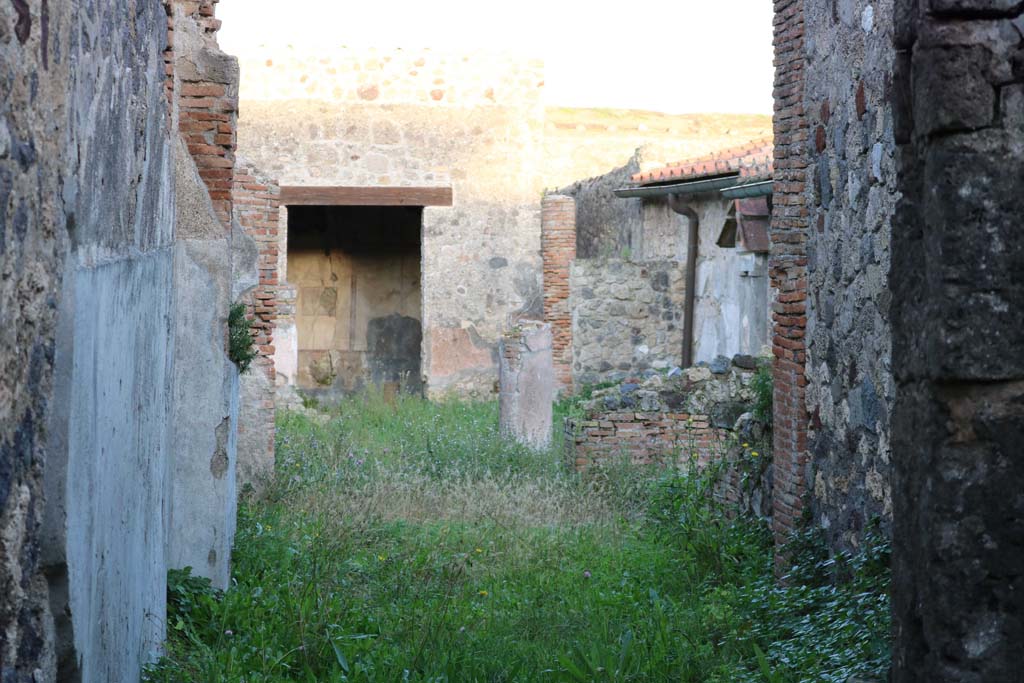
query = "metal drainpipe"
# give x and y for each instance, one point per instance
(692, 247)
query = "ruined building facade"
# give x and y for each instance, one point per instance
(410, 235)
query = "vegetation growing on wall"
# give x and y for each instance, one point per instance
(241, 348)
(764, 388)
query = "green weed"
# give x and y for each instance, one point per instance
(404, 540)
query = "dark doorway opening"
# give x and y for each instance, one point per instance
(357, 274)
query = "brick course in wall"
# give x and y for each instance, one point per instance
(257, 209)
(788, 269)
(695, 418)
(645, 438)
(558, 248)
(208, 112)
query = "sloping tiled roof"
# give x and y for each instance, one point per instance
(752, 161)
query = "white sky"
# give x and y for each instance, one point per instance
(676, 56)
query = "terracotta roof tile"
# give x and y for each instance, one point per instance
(752, 161)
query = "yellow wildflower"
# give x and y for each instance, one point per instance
(381, 558)
(478, 551)
(753, 453)
(483, 594)
(746, 445)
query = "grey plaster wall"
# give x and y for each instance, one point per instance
(114, 367)
(626, 317)
(852, 181)
(204, 423)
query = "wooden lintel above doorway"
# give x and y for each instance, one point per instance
(296, 195)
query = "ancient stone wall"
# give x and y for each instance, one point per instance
(120, 271)
(626, 317)
(691, 418)
(852, 196)
(33, 219)
(108, 435)
(421, 118)
(957, 282)
(788, 270)
(205, 83)
(606, 226)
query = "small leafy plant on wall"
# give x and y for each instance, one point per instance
(241, 347)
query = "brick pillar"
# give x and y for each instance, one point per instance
(257, 210)
(788, 266)
(208, 108)
(558, 248)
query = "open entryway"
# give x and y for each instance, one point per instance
(356, 273)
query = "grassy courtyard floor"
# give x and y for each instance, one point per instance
(409, 541)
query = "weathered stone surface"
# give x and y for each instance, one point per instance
(527, 384)
(958, 293)
(849, 376)
(86, 196)
(631, 324)
(32, 166)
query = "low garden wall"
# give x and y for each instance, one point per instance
(702, 416)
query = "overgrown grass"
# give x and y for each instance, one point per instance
(409, 541)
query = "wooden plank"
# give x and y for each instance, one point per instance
(295, 195)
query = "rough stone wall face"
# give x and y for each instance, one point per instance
(852, 195)
(32, 232)
(957, 282)
(558, 249)
(788, 269)
(626, 318)
(696, 417)
(316, 119)
(606, 226)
